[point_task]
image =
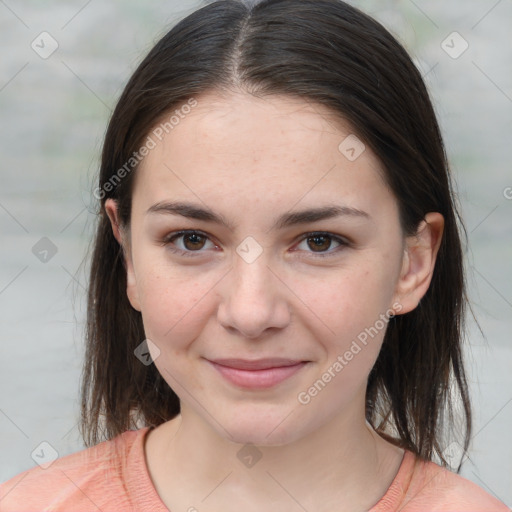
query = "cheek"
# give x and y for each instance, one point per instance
(349, 300)
(175, 312)
(354, 308)
(175, 308)
(356, 311)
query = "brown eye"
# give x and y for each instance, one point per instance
(187, 243)
(193, 241)
(319, 243)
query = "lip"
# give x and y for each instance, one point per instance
(257, 373)
(257, 364)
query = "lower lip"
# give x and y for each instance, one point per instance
(257, 379)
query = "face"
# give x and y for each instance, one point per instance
(298, 301)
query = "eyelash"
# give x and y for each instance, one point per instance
(168, 240)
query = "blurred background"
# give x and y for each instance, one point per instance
(63, 66)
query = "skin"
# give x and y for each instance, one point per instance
(251, 160)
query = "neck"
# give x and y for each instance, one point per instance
(345, 462)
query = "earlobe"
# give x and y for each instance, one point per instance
(131, 281)
(419, 261)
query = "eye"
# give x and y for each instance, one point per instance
(320, 242)
(190, 242)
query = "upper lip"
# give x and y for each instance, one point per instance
(257, 364)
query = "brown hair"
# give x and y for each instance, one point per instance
(325, 52)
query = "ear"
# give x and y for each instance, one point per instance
(120, 236)
(418, 263)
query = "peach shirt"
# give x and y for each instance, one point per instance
(113, 476)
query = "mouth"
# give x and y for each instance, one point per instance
(257, 373)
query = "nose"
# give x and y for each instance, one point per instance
(254, 299)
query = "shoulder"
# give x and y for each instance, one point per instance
(91, 479)
(422, 485)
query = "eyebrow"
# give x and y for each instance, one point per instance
(194, 211)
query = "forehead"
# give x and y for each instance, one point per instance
(260, 150)
(241, 124)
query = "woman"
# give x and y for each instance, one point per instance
(276, 295)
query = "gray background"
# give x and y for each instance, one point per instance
(54, 112)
